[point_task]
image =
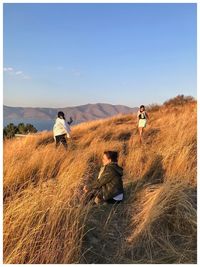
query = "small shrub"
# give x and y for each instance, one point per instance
(179, 100)
(153, 107)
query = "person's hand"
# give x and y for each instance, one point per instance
(85, 189)
(97, 200)
(70, 121)
(68, 136)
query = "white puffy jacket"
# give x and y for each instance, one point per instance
(60, 127)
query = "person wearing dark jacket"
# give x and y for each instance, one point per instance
(109, 184)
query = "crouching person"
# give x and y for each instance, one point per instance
(108, 187)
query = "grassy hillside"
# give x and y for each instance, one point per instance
(45, 220)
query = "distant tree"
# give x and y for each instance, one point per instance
(10, 130)
(21, 128)
(30, 128)
(4, 133)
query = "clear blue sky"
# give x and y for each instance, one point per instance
(58, 55)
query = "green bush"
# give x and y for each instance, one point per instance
(10, 130)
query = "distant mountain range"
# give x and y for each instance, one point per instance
(78, 113)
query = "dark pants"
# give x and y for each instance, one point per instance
(91, 195)
(60, 139)
(113, 201)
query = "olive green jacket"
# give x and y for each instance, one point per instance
(110, 180)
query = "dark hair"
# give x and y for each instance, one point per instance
(142, 106)
(112, 155)
(61, 114)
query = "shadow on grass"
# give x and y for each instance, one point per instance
(107, 225)
(45, 141)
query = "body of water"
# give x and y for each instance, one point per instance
(40, 125)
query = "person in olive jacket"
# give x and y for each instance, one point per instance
(108, 186)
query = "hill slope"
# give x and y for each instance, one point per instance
(45, 220)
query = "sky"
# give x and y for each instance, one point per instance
(59, 55)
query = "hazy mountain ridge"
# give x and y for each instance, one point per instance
(79, 113)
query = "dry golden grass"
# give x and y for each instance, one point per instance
(46, 221)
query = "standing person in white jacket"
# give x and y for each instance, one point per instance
(61, 129)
